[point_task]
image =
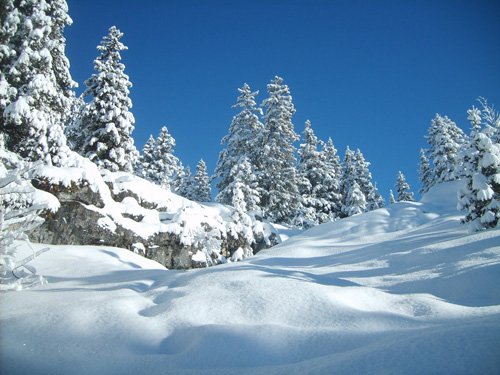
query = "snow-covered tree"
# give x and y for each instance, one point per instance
(425, 172)
(186, 184)
(144, 166)
(355, 201)
(316, 178)
(166, 168)
(363, 177)
(107, 122)
(348, 178)
(276, 170)
(445, 139)
(35, 83)
(333, 171)
(403, 189)
(201, 183)
(241, 143)
(479, 194)
(391, 197)
(244, 196)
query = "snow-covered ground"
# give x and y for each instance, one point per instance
(400, 290)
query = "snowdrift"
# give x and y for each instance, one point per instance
(404, 289)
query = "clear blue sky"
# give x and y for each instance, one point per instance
(370, 74)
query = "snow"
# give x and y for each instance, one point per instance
(403, 289)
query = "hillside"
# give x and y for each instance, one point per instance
(404, 289)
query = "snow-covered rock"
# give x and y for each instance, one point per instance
(122, 210)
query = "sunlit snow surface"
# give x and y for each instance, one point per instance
(400, 290)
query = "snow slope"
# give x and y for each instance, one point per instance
(404, 289)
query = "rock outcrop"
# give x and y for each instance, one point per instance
(122, 210)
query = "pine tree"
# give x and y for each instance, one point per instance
(201, 183)
(403, 189)
(363, 177)
(347, 180)
(166, 167)
(242, 190)
(107, 121)
(333, 171)
(425, 172)
(391, 197)
(316, 178)
(146, 160)
(479, 194)
(35, 84)
(355, 201)
(242, 143)
(276, 170)
(445, 139)
(186, 185)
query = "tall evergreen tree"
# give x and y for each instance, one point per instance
(355, 200)
(425, 172)
(445, 139)
(242, 189)
(333, 171)
(347, 180)
(363, 177)
(403, 189)
(166, 168)
(241, 146)
(276, 170)
(201, 183)
(35, 84)
(479, 194)
(107, 121)
(144, 167)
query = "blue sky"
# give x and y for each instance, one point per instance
(370, 74)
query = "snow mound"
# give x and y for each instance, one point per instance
(404, 289)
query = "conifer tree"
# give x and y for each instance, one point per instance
(363, 177)
(146, 160)
(333, 172)
(241, 146)
(276, 170)
(347, 180)
(479, 194)
(201, 183)
(355, 201)
(242, 189)
(445, 139)
(403, 189)
(186, 185)
(391, 197)
(35, 84)
(107, 121)
(425, 172)
(166, 167)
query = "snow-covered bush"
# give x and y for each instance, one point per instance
(20, 206)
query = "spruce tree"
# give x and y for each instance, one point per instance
(242, 189)
(479, 194)
(201, 183)
(403, 189)
(276, 170)
(333, 170)
(144, 167)
(363, 177)
(355, 203)
(445, 139)
(348, 178)
(35, 84)
(391, 197)
(166, 168)
(107, 121)
(241, 146)
(425, 172)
